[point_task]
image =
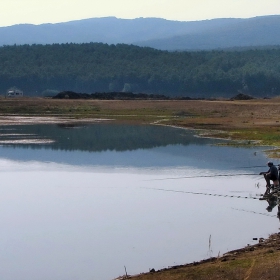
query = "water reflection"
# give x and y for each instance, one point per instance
(121, 145)
(99, 137)
(272, 202)
(95, 198)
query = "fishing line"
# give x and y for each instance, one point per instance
(264, 214)
(205, 176)
(220, 195)
(210, 194)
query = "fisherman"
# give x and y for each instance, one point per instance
(271, 175)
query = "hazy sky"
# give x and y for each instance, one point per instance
(51, 11)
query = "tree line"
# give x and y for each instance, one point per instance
(96, 67)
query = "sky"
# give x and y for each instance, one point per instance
(53, 11)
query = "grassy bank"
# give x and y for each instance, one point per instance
(260, 261)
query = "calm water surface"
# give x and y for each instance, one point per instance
(83, 202)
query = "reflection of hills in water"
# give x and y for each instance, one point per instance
(96, 137)
(121, 145)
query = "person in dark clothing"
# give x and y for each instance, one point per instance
(271, 175)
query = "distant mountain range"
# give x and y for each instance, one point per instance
(152, 32)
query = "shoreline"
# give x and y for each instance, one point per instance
(271, 243)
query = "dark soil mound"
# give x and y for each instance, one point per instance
(242, 96)
(109, 96)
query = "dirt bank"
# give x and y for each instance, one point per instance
(255, 262)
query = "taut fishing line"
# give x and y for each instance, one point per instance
(205, 176)
(210, 194)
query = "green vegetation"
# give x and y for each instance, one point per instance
(95, 67)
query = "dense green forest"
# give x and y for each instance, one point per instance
(96, 67)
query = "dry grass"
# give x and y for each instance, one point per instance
(256, 262)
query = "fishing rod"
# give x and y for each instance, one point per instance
(220, 195)
(253, 166)
(205, 176)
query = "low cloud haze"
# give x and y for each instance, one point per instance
(53, 11)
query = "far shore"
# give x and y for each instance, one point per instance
(252, 122)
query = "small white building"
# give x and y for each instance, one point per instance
(14, 93)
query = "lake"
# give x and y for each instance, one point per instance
(87, 201)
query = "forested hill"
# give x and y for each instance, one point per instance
(96, 67)
(258, 31)
(157, 33)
